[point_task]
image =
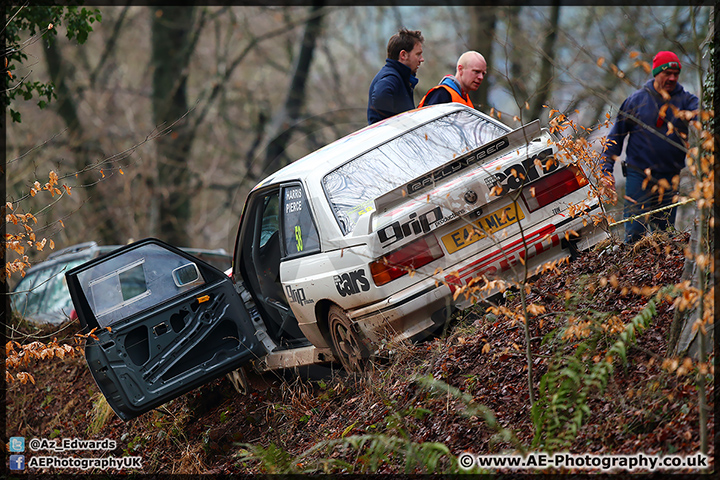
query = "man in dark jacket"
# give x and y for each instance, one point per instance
(656, 118)
(391, 91)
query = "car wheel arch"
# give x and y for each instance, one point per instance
(322, 316)
(322, 310)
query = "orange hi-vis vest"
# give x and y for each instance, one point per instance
(455, 96)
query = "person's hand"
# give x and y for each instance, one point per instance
(608, 180)
(607, 187)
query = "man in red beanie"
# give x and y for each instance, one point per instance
(657, 143)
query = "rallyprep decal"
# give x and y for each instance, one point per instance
(458, 165)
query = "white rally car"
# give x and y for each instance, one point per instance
(365, 239)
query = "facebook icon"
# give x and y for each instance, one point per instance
(17, 462)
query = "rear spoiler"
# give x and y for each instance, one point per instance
(494, 148)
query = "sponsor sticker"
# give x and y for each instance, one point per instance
(457, 165)
(297, 295)
(351, 283)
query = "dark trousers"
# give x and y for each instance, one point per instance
(645, 200)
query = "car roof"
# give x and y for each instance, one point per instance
(68, 254)
(350, 146)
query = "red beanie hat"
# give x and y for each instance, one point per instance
(665, 60)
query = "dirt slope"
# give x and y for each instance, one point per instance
(645, 407)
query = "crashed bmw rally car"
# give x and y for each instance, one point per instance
(365, 239)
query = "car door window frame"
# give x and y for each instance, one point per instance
(291, 237)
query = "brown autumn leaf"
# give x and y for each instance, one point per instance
(25, 377)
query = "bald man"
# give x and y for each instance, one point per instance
(469, 74)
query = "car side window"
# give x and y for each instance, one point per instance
(57, 300)
(270, 222)
(26, 298)
(135, 281)
(300, 233)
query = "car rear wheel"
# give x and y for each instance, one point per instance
(350, 348)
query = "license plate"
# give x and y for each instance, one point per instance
(481, 228)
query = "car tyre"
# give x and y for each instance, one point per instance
(349, 346)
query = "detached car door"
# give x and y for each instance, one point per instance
(165, 321)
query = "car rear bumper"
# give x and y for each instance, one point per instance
(425, 305)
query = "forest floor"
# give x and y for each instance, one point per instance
(400, 417)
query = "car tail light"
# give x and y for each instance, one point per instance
(410, 257)
(555, 186)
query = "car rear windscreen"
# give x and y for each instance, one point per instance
(352, 187)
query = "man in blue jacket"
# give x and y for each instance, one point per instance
(656, 118)
(391, 91)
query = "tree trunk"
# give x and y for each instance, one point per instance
(680, 317)
(85, 151)
(171, 48)
(544, 85)
(683, 338)
(482, 38)
(283, 123)
(518, 57)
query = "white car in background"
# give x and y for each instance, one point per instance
(365, 239)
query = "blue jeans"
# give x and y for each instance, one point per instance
(646, 201)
